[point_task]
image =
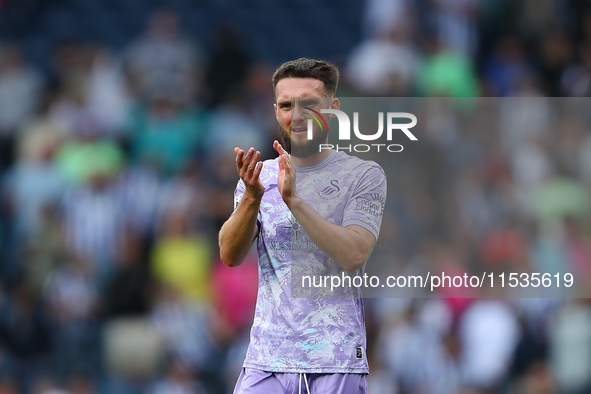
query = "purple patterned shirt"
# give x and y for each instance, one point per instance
(313, 335)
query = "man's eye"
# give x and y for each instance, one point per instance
(285, 106)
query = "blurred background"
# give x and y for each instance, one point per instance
(118, 120)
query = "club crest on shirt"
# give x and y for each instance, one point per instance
(331, 191)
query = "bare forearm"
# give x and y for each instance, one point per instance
(343, 244)
(238, 233)
(349, 246)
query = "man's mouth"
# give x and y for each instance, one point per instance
(299, 130)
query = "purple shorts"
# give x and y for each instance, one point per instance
(254, 381)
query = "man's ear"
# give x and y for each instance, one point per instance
(275, 108)
(336, 104)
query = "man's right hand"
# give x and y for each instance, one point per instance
(249, 168)
(240, 230)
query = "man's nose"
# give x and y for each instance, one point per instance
(297, 113)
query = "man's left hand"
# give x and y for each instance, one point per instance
(287, 172)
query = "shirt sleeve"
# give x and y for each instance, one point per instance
(238, 193)
(365, 207)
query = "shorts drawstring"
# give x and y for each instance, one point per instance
(305, 381)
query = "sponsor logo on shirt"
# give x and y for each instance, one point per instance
(294, 229)
(372, 203)
(298, 238)
(289, 245)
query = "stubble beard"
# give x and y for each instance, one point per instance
(309, 148)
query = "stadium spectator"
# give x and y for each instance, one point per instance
(164, 57)
(21, 87)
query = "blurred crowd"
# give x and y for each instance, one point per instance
(117, 171)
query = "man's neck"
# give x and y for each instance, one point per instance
(311, 160)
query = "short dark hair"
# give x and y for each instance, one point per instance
(309, 68)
